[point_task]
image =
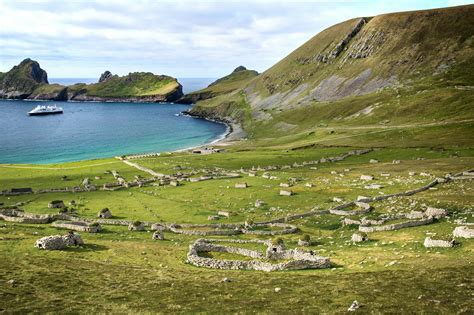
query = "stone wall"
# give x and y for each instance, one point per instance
(395, 226)
(77, 226)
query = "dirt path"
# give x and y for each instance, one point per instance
(143, 169)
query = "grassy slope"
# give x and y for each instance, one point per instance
(230, 82)
(124, 271)
(434, 57)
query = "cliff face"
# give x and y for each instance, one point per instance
(29, 81)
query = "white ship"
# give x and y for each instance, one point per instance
(45, 110)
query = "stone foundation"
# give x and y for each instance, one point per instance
(297, 259)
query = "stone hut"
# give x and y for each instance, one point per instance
(464, 232)
(56, 204)
(286, 193)
(104, 214)
(436, 213)
(136, 226)
(275, 250)
(429, 243)
(359, 237)
(158, 235)
(223, 213)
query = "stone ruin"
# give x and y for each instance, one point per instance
(58, 242)
(294, 259)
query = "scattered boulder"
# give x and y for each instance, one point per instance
(259, 203)
(241, 185)
(366, 177)
(464, 232)
(355, 305)
(373, 161)
(286, 193)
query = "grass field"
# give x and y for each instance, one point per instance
(121, 271)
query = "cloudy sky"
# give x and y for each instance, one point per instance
(82, 38)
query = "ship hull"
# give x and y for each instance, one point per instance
(45, 113)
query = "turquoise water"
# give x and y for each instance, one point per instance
(97, 130)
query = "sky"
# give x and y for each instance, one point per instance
(195, 38)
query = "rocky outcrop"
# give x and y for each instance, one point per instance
(105, 76)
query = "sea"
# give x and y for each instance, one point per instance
(91, 130)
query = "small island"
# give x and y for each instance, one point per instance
(29, 81)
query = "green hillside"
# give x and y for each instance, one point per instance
(402, 70)
(225, 85)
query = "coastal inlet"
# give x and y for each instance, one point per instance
(97, 130)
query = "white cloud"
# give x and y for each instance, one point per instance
(82, 38)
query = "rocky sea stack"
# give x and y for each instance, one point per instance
(28, 81)
(22, 79)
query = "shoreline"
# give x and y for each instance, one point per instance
(233, 132)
